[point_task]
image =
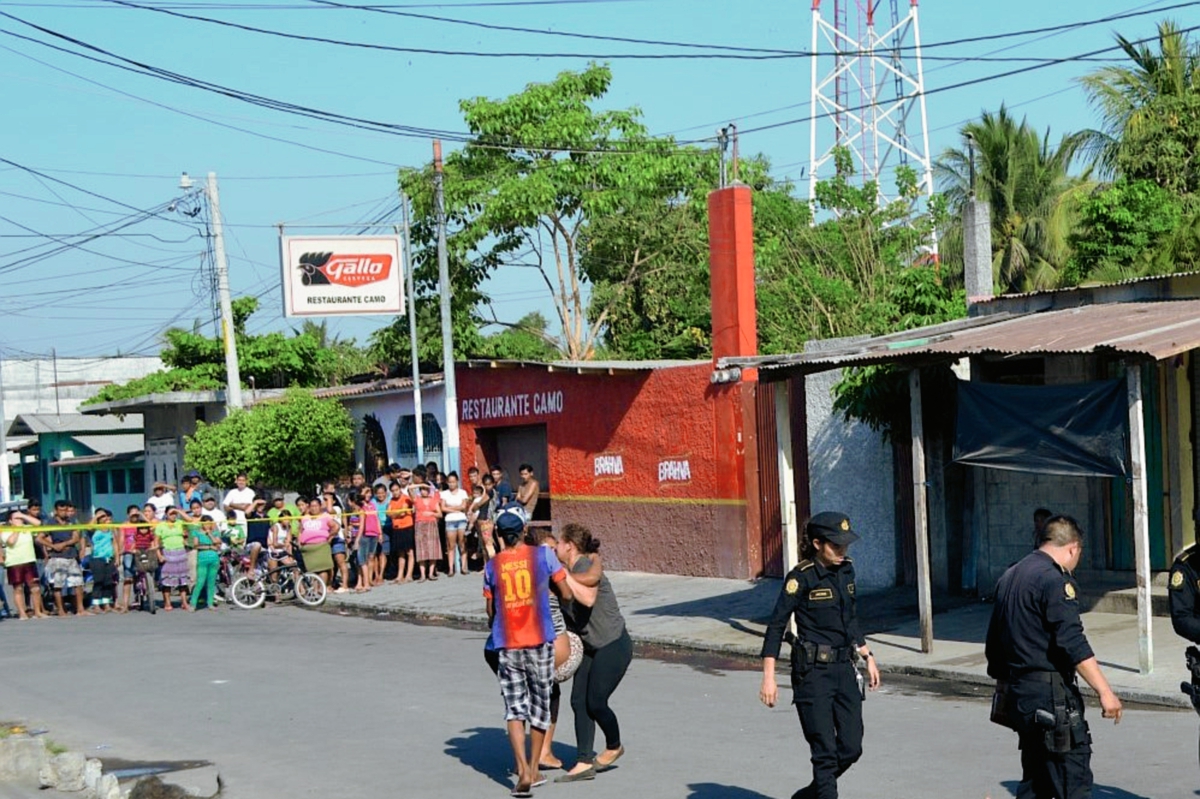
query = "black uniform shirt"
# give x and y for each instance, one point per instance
(1035, 622)
(1185, 595)
(823, 602)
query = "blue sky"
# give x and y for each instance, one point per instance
(128, 137)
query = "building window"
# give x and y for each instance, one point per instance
(406, 440)
(101, 481)
(118, 481)
(137, 481)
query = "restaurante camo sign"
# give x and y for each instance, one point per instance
(342, 275)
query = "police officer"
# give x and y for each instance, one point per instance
(1185, 594)
(819, 593)
(1035, 647)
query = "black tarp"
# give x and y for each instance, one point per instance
(1074, 429)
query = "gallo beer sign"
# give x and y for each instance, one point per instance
(342, 275)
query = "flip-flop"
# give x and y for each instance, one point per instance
(522, 792)
(538, 783)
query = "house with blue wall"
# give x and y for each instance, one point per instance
(94, 461)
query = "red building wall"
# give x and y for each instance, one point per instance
(653, 462)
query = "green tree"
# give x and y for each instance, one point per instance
(527, 340)
(541, 165)
(1128, 97)
(291, 443)
(1122, 232)
(1034, 200)
(197, 363)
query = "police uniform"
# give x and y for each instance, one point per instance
(1034, 642)
(824, 681)
(1185, 594)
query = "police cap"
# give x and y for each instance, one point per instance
(832, 527)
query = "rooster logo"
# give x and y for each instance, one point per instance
(310, 265)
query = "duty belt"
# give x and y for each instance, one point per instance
(821, 653)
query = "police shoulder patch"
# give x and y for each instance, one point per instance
(1070, 591)
(1177, 579)
(850, 589)
(804, 565)
(792, 586)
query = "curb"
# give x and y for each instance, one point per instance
(477, 623)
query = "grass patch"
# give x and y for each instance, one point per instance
(55, 748)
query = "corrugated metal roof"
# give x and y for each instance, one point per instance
(581, 367)
(377, 387)
(92, 460)
(1132, 281)
(117, 443)
(1148, 329)
(38, 423)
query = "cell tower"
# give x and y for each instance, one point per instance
(866, 85)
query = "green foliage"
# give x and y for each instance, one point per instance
(1164, 147)
(1127, 96)
(1122, 228)
(197, 363)
(541, 166)
(221, 450)
(1033, 198)
(291, 443)
(527, 340)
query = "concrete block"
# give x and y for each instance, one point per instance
(92, 771)
(64, 772)
(21, 758)
(108, 788)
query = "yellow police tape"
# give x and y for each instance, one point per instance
(58, 528)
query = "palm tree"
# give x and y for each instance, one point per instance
(1123, 94)
(1033, 198)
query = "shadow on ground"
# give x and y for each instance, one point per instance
(485, 749)
(1098, 791)
(714, 790)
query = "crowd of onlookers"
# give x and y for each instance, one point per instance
(408, 525)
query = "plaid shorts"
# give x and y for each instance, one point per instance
(526, 679)
(64, 573)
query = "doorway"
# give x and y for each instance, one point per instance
(510, 447)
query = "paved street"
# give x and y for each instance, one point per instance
(294, 703)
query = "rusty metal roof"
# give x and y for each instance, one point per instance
(1154, 330)
(377, 387)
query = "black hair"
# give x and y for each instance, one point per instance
(35, 503)
(451, 474)
(241, 474)
(1061, 531)
(496, 468)
(133, 508)
(524, 467)
(432, 466)
(206, 518)
(359, 473)
(105, 511)
(581, 537)
(419, 471)
(61, 503)
(1041, 515)
(487, 478)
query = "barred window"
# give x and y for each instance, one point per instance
(406, 440)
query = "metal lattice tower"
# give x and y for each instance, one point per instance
(867, 84)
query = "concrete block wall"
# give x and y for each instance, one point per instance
(850, 470)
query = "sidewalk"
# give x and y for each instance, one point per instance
(729, 617)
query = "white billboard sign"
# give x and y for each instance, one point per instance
(342, 275)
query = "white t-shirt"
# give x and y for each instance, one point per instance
(218, 516)
(161, 502)
(240, 496)
(454, 498)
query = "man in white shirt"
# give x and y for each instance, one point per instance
(162, 497)
(238, 501)
(217, 515)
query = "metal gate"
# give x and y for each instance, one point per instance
(769, 506)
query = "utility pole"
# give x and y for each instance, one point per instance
(451, 392)
(418, 411)
(5, 488)
(233, 378)
(54, 359)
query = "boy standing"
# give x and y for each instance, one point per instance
(516, 587)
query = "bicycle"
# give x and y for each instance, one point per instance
(283, 582)
(145, 562)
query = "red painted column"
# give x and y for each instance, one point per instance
(731, 266)
(735, 333)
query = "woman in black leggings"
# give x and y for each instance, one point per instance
(607, 651)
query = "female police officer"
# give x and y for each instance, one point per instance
(819, 592)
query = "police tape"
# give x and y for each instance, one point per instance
(62, 528)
